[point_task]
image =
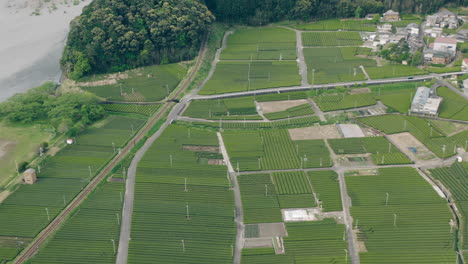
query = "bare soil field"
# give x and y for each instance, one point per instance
(360, 91)
(405, 141)
(278, 106)
(315, 132)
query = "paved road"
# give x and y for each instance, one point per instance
(323, 86)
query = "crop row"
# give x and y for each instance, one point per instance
(300, 110)
(332, 39)
(146, 110)
(339, 102)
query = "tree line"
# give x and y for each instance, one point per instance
(117, 35)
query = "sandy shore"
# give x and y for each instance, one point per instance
(31, 45)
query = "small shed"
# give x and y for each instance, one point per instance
(29, 176)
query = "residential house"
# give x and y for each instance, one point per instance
(465, 65)
(391, 16)
(446, 45)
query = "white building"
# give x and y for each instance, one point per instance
(465, 65)
(413, 29)
(446, 45)
(424, 103)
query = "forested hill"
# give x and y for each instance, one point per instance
(262, 11)
(116, 35)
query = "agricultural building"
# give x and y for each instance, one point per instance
(446, 45)
(391, 16)
(29, 176)
(424, 102)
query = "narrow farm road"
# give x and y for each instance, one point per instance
(237, 197)
(301, 59)
(317, 110)
(365, 72)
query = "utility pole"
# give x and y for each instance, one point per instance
(188, 211)
(118, 219)
(185, 189)
(113, 244)
(394, 220)
(47, 212)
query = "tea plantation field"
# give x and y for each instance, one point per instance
(237, 76)
(152, 83)
(394, 70)
(382, 151)
(344, 101)
(87, 236)
(308, 242)
(411, 227)
(327, 188)
(223, 108)
(334, 64)
(146, 110)
(267, 43)
(423, 130)
(337, 24)
(300, 110)
(453, 106)
(183, 210)
(455, 178)
(343, 38)
(28, 210)
(273, 150)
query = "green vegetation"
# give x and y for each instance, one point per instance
(273, 150)
(455, 178)
(19, 142)
(338, 24)
(441, 145)
(332, 64)
(300, 110)
(397, 97)
(344, 38)
(269, 43)
(453, 105)
(29, 209)
(327, 188)
(383, 152)
(169, 215)
(113, 35)
(412, 226)
(152, 83)
(68, 113)
(259, 199)
(393, 70)
(344, 101)
(89, 234)
(222, 109)
(146, 110)
(234, 76)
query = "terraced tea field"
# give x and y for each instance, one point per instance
(382, 151)
(333, 64)
(441, 145)
(342, 38)
(146, 110)
(309, 242)
(455, 178)
(28, 210)
(344, 101)
(88, 236)
(267, 43)
(178, 222)
(237, 76)
(412, 226)
(337, 24)
(148, 84)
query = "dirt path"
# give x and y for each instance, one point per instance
(365, 73)
(317, 110)
(237, 197)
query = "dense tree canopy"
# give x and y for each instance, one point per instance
(68, 113)
(264, 11)
(116, 35)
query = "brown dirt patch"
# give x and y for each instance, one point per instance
(111, 79)
(405, 141)
(360, 91)
(278, 106)
(212, 149)
(4, 195)
(315, 132)
(218, 162)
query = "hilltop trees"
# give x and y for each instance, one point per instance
(116, 35)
